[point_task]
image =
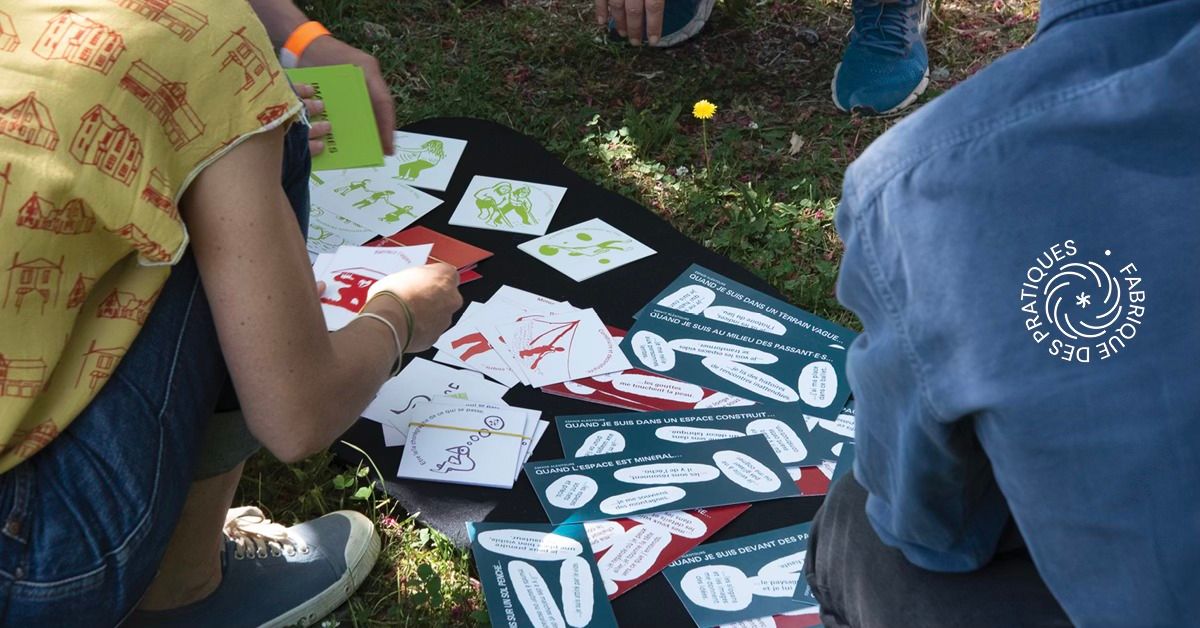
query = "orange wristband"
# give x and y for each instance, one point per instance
(299, 40)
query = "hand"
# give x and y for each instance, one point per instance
(316, 145)
(431, 292)
(628, 15)
(330, 51)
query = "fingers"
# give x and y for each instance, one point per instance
(601, 12)
(381, 103)
(654, 20)
(313, 106)
(316, 133)
(304, 90)
(320, 288)
(635, 14)
(315, 147)
(616, 8)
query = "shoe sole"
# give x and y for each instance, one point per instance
(336, 594)
(908, 100)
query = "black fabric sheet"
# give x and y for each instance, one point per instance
(497, 151)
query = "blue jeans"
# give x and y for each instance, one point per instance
(85, 522)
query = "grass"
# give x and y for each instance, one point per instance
(621, 116)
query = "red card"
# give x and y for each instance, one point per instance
(466, 276)
(445, 249)
(632, 546)
(812, 482)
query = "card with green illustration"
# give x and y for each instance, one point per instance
(353, 139)
(508, 205)
(744, 578)
(587, 249)
(673, 476)
(425, 161)
(537, 576)
(327, 231)
(369, 197)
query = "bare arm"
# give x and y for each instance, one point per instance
(300, 386)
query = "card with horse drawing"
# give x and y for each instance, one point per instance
(508, 205)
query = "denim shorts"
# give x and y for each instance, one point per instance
(85, 522)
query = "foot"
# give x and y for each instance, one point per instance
(682, 20)
(278, 576)
(885, 66)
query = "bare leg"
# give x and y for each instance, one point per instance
(191, 567)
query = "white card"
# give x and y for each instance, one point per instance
(425, 161)
(554, 348)
(463, 444)
(464, 345)
(508, 205)
(352, 271)
(587, 249)
(422, 381)
(328, 231)
(370, 197)
(529, 445)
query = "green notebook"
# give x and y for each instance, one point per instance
(354, 139)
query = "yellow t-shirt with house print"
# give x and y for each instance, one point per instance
(108, 110)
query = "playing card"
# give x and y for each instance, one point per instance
(557, 347)
(352, 271)
(457, 253)
(371, 198)
(425, 161)
(586, 249)
(508, 205)
(466, 443)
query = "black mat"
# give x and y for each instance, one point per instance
(495, 150)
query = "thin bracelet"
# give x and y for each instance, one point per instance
(408, 315)
(395, 337)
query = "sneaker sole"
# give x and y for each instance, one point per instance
(327, 601)
(908, 100)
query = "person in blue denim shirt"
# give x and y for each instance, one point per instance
(1022, 253)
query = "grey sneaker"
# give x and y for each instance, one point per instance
(278, 576)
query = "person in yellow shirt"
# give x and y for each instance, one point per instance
(153, 196)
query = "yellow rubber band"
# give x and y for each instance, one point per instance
(465, 429)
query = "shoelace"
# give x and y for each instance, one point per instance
(255, 536)
(885, 26)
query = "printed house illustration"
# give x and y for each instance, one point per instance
(104, 142)
(79, 40)
(272, 113)
(149, 249)
(21, 378)
(126, 305)
(72, 218)
(29, 442)
(257, 74)
(157, 194)
(176, 17)
(166, 100)
(5, 181)
(28, 121)
(79, 292)
(34, 278)
(8, 34)
(98, 365)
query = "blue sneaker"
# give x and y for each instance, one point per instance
(272, 575)
(682, 20)
(885, 66)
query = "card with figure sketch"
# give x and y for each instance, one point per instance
(586, 249)
(369, 197)
(465, 443)
(327, 231)
(424, 161)
(558, 346)
(352, 270)
(508, 205)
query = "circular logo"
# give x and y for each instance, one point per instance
(1082, 308)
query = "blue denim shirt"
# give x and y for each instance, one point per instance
(1023, 253)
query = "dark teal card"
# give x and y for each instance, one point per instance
(745, 578)
(702, 293)
(674, 477)
(799, 369)
(536, 575)
(784, 426)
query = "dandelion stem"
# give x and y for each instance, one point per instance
(704, 134)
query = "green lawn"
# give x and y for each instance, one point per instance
(622, 117)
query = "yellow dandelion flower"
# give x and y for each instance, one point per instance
(703, 110)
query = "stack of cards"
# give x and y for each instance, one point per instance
(457, 253)
(350, 271)
(518, 336)
(351, 206)
(748, 579)
(713, 332)
(468, 442)
(353, 140)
